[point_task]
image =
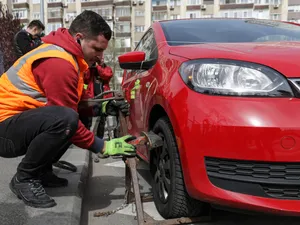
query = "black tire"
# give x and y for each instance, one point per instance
(178, 203)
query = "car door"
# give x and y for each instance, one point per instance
(136, 86)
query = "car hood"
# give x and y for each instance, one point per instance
(281, 56)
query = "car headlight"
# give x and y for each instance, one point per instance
(228, 77)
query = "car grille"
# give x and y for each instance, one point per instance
(282, 192)
(277, 180)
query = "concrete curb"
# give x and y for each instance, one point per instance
(77, 208)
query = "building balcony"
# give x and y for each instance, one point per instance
(294, 2)
(293, 16)
(26, 20)
(20, 5)
(123, 34)
(55, 20)
(160, 8)
(97, 3)
(108, 17)
(261, 7)
(121, 50)
(123, 18)
(193, 7)
(237, 6)
(140, 3)
(122, 3)
(208, 2)
(55, 5)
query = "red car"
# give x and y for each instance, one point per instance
(224, 96)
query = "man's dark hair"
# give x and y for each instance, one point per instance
(36, 23)
(91, 25)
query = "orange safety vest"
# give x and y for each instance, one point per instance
(18, 88)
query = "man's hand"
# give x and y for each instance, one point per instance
(113, 107)
(119, 146)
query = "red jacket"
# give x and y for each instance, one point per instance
(94, 74)
(58, 79)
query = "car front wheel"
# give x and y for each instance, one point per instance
(169, 192)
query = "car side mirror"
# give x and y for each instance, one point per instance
(135, 61)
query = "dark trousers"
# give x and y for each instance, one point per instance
(42, 135)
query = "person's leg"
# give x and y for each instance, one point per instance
(40, 134)
(48, 178)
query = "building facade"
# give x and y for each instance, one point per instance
(130, 19)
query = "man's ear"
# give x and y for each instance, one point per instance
(78, 36)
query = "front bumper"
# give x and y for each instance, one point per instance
(240, 152)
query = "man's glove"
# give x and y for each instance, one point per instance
(113, 107)
(119, 146)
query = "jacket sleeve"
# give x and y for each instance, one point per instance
(60, 87)
(24, 43)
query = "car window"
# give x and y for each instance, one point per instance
(148, 45)
(228, 31)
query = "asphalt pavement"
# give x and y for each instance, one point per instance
(105, 192)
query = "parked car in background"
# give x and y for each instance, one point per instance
(224, 96)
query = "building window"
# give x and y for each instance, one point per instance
(123, 12)
(71, 1)
(110, 24)
(275, 16)
(139, 13)
(175, 2)
(70, 16)
(123, 43)
(193, 14)
(175, 17)
(294, 8)
(49, 1)
(53, 27)
(123, 27)
(157, 3)
(54, 13)
(159, 16)
(19, 1)
(275, 2)
(139, 28)
(36, 15)
(104, 12)
(36, 1)
(194, 2)
(21, 14)
(207, 16)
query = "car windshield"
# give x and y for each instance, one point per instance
(183, 32)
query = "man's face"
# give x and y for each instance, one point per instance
(35, 32)
(93, 48)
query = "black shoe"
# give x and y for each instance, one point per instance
(49, 179)
(32, 193)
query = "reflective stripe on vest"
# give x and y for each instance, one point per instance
(13, 74)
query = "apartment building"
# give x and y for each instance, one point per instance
(294, 11)
(7, 4)
(129, 19)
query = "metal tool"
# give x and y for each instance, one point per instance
(152, 141)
